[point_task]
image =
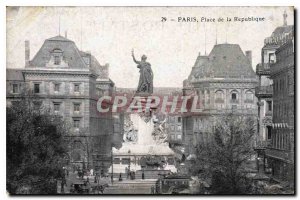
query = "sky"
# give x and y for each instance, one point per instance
(110, 34)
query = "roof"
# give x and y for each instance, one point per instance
(71, 54)
(74, 58)
(59, 38)
(14, 75)
(225, 60)
(273, 42)
(280, 30)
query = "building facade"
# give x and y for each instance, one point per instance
(280, 152)
(224, 82)
(68, 82)
(174, 129)
(264, 92)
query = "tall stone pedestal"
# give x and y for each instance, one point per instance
(140, 151)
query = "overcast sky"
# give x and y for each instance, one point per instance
(110, 33)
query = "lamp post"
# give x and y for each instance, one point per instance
(112, 166)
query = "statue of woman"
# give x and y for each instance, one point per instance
(146, 75)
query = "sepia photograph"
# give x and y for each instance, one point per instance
(167, 100)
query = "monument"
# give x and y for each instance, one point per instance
(145, 154)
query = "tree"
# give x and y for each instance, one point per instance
(35, 149)
(224, 157)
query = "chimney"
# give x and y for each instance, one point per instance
(106, 70)
(249, 56)
(27, 53)
(88, 58)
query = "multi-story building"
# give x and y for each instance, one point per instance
(224, 82)
(280, 153)
(264, 92)
(68, 82)
(174, 129)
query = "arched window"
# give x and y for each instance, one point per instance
(234, 96)
(219, 96)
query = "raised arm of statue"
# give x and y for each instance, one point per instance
(132, 53)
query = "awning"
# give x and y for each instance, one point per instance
(280, 125)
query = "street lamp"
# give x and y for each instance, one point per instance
(112, 166)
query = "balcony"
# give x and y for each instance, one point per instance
(264, 91)
(263, 69)
(234, 101)
(219, 100)
(263, 144)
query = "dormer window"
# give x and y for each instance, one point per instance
(57, 60)
(15, 88)
(57, 56)
(272, 58)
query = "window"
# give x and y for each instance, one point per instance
(249, 96)
(117, 161)
(233, 96)
(76, 123)
(56, 107)
(57, 60)
(172, 128)
(76, 87)
(271, 58)
(219, 96)
(172, 137)
(76, 107)
(56, 87)
(179, 137)
(179, 128)
(36, 88)
(269, 105)
(125, 161)
(15, 88)
(269, 132)
(179, 119)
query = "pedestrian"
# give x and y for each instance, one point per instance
(126, 171)
(95, 179)
(143, 175)
(101, 188)
(152, 190)
(62, 184)
(120, 177)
